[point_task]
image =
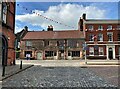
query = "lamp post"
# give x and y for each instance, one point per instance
(85, 53)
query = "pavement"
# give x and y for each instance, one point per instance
(38, 76)
(12, 70)
(72, 63)
(104, 69)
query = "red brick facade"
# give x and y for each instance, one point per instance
(101, 43)
(7, 30)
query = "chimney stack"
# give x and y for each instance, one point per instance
(26, 28)
(84, 16)
(50, 28)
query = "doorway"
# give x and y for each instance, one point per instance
(39, 56)
(110, 53)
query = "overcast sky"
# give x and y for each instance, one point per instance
(66, 13)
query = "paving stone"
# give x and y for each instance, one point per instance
(38, 76)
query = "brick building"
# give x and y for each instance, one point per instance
(7, 20)
(52, 44)
(102, 38)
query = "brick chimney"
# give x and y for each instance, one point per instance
(50, 28)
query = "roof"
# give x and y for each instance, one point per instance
(74, 34)
(93, 21)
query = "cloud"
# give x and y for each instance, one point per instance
(65, 13)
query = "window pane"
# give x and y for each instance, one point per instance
(28, 43)
(109, 27)
(75, 53)
(91, 51)
(100, 37)
(100, 27)
(90, 27)
(101, 51)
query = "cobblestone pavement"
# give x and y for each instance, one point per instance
(110, 74)
(38, 76)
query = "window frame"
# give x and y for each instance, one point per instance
(91, 49)
(4, 12)
(109, 28)
(110, 33)
(101, 51)
(99, 37)
(90, 27)
(99, 27)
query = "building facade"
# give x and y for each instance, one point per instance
(7, 20)
(102, 38)
(55, 45)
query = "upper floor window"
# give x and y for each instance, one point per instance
(28, 43)
(110, 36)
(46, 43)
(60, 43)
(91, 50)
(72, 43)
(119, 37)
(118, 27)
(91, 37)
(4, 12)
(100, 27)
(90, 27)
(109, 27)
(100, 37)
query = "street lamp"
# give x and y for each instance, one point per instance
(85, 48)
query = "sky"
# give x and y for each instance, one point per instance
(66, 14)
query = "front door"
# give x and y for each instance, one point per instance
(110, 51)
(61, 54)
(39, 56)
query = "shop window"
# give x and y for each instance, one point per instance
(101, 51)
(69, 53)
(48, 53)
(91, 50)
(28, 52)
(75, 53)
(55, 54)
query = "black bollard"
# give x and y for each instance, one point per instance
(21, 64)
(3, 72)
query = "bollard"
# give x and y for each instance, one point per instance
(3, 72)
(21, 64)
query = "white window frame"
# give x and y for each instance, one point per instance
(119, 51)
(91, 50)
(111, 36)
(100, 27)
(101, 37)
(109, 27)
(90, 27)
(101, 49)
(91, 37)
(4, 13)
(118, 27)
(28, 43)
